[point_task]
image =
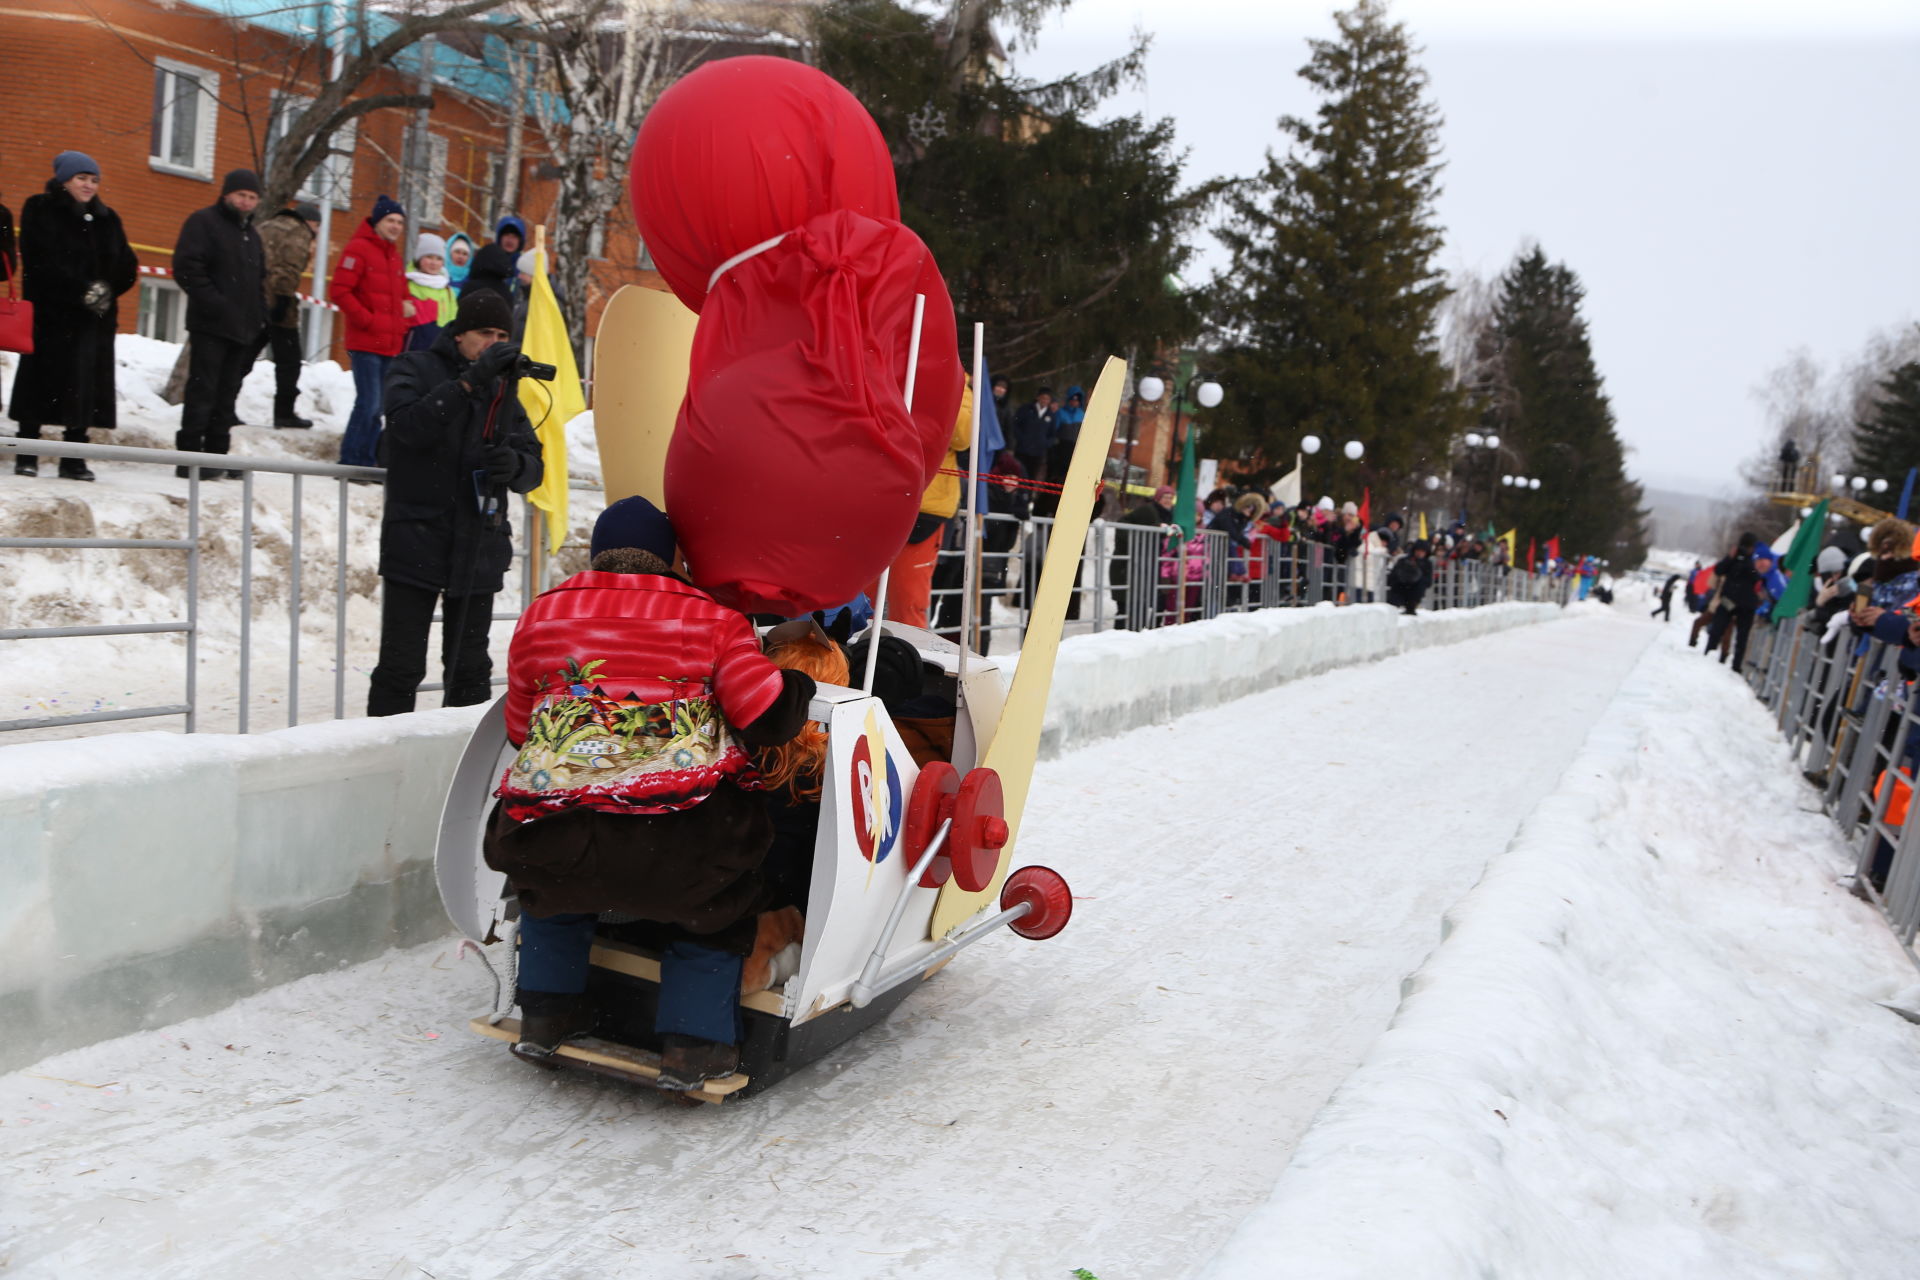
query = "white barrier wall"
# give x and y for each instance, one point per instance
(150, 877)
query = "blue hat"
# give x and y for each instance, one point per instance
(69, 163)
(634, 522)
(384, 205)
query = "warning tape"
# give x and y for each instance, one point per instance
(146, 270)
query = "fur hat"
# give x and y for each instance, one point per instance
(632, 522)
(429, 245)
(483, 309)
(70, 164)
(1251, 505)
(240, 180)
(1891, 537)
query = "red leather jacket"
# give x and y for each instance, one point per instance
(369, 289)
(621, 692)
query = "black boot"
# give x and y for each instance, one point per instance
(547, 1020)
(74, 469)
(687, 1062)
(291, 421)
(26, 465)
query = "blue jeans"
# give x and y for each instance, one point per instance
(699, 985)
(359, 447)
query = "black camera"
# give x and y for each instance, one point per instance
(527, 368)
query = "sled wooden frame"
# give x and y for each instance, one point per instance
(625, 957)
(618, 1059)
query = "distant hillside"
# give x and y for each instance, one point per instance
(1684, 521)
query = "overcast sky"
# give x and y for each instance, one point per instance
(1733, 180)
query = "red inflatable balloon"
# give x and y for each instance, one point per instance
(795, 471)
(744, 149)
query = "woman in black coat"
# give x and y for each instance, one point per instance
(75, 264)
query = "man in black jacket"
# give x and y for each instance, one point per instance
(1032, 435)
(218, 263)
(456, 445)
(1133, 570)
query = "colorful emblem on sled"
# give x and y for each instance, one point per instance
(876, 794)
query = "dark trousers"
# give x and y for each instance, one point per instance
(286, 365)
(215, 370)
(1741, 620)
(1666, 608)
(406, 614)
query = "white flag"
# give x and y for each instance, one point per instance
(1287, 488)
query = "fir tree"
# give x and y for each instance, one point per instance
(1057, 231)
(1329, 305)
(1539, 390)
(1887, 441)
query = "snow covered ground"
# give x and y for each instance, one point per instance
(1255, 882)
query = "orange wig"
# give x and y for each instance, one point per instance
(796, 766)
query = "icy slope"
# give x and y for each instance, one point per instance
(1651, 1046)
(1255, 881)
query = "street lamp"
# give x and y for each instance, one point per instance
(1506, 482)
(1432, 483)
(1200, 389)
(1354, 451)
(1879, 486)
(1309, 444)
(1858, 483)
(1533, 484)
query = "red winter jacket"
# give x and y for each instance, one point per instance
(368, 287)
(621, 688)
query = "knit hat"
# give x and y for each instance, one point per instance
(69, 163)
(383, 206)
(1349, 509)
(1830, 560)
(307, 211)
(240, 180)
(429, 245)
(528, 263)
(633, 522)
(482, 309)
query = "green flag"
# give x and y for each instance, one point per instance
(1799, 564)
(1184, 504)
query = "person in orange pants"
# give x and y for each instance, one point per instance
(910, 580)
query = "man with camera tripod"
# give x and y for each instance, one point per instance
(456, 446)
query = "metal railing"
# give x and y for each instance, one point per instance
(1136, 577)
(1847, 709)
(201, 468)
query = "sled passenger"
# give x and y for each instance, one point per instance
(633, 698)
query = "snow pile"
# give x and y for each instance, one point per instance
(1113, 681)
(1651, 1044)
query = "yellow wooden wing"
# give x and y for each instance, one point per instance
(1017, 739)
(640, 360)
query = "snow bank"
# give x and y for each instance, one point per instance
(1113, 681)
(152, 876)
(1651, 1043)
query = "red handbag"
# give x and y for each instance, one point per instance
(16, 322)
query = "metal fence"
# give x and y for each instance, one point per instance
(1134, 577)
(1848, 712)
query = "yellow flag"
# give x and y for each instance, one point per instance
(550, 405)
(1423, 526)
(1512, 554)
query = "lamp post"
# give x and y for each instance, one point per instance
(1200, 390)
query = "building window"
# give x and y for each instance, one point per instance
(186, 104)
(163, 310)
(644, 258)
(332, 179)
(433, 210)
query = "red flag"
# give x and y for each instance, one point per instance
(1553, 547)
(1366, 509)
(1530, 568)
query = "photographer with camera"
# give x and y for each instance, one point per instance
(457, 445)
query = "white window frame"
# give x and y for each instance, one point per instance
(157, 286)
(206, 120)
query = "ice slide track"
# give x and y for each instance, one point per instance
(1256, 880)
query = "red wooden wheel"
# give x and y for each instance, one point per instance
(930, 804)
(979, 830)
(1045, 891)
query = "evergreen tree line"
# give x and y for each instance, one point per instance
(1067, 236)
